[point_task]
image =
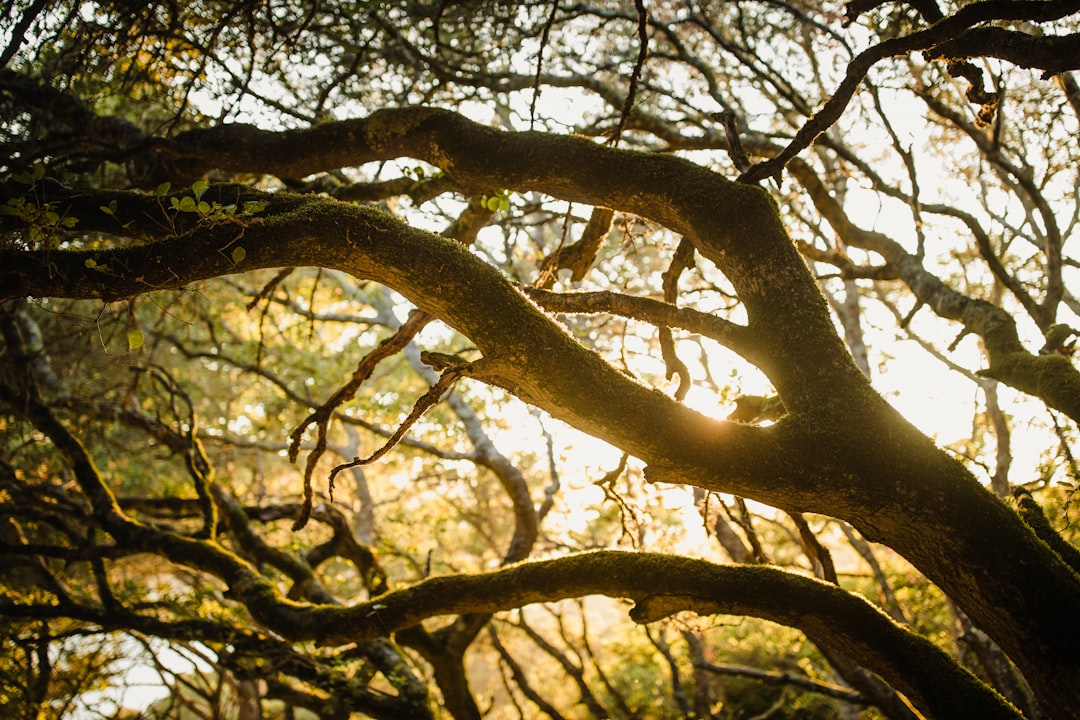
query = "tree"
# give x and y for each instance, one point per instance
(168, 165)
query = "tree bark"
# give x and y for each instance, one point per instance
(840, 450)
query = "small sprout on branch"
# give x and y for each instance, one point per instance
(208, 210)
(44, 222)
(92, 264)
(499, 202)
(36, 174)
(420, 176)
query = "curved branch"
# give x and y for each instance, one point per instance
(439, 275)
(1052, 378)
(663, 585)
(1050, 53)
(244, 643)
(784, 678)
(733, 225)
(656, 312)
(941, 32)
(840, 450)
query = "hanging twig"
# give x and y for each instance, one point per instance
(635, 75)
(540, 62)
(682, 260)
(321, 417)
(423, 404)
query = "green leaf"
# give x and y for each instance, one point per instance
(106, 209)
(39, 171)
(204, 208)
(238, 254)
(187, 204)
(90, 263)
(175, 202)
(135, 339)
(163, 189)
(69, 222)
(252, 207)
(492, 203)
(198, 188)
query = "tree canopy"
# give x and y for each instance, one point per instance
(354, 352)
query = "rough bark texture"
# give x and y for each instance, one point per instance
(840, 450)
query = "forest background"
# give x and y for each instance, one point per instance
(493, 359)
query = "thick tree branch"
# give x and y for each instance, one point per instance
(1053, 378)
(840, 450)
(1052, 54)
(663, 585)
(732, 225)
(783, 678)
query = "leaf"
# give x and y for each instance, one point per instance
(251, 207)
(69, 222)
(203, 208)
(105, 209)
(15, 207)
(135, 339)
(175, 202)
(238, 254)
(90, 263)
(492, 203)
(198, 188)
(187, 204)
(163, 189)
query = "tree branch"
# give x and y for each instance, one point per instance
(663, 585)
(1052, 54)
